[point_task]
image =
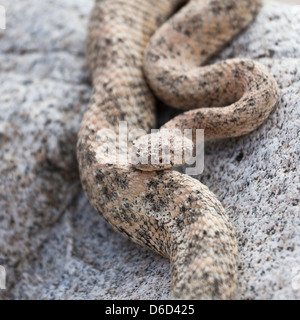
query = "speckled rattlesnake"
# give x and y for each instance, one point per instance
(169, 212)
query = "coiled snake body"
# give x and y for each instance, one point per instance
(169, 212)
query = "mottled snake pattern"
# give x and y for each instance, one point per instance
(138, 48)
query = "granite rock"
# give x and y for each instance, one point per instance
(55, 246)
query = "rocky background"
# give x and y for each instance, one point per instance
(54, 245)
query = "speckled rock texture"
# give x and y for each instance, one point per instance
(54, 245)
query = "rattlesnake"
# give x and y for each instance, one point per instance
(170, 212)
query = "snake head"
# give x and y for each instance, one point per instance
(163, 149)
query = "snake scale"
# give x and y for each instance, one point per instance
(133, 45)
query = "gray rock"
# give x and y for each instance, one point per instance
(55, 246)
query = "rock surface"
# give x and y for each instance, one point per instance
(55, 246)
